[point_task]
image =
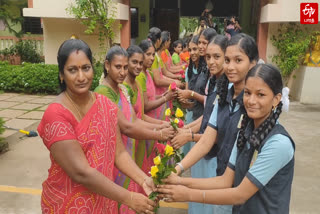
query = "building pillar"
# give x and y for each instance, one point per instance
(126, 28)
(262, 35)
(30, 3)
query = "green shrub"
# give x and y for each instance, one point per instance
(35, 78)
(26, 49)
(3, 144)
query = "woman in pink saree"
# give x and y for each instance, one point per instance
(116, 68)
(81, 132)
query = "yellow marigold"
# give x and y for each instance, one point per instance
(168, 112)
(176, 121)
(169, 150)
(179, 113)
(157, 160)
(154, 171)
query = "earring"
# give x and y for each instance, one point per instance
(273, 108)
(61, 81)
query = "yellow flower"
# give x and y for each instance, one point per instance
(183, 67)
(154, 171)
(157, 160)
(169, 150)
(168, 112)
(176, 121)
(179, 113)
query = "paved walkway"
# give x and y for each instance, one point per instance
(24, 167)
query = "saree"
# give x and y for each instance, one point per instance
(96, 134)
(144, 148)
(123, 102)
(158, 65)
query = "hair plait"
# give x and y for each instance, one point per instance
(222, 89)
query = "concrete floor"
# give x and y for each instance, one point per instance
(24, 167)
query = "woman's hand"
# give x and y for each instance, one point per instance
(165, 124)
(141, 204)
(173, 193)
(173, 178)
(167, 133)
(180, 139)
(171, 95)
(148, 186)
(184, 94)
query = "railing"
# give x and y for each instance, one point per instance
(8, 41)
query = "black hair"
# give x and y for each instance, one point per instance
(132, 49)
(195, 40)
(176, 43)
(208, 34)
(67, 48)
(185, 42)
(272, 77)
(165, 36)
(154, 34)
(114, 51)
(202, 18)
(145, 45)
(222, 42)
(246, 44)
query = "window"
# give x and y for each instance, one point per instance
(134, 22)
(32, 25)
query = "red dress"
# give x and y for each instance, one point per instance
(96, 134)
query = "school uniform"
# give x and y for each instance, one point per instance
(225, 119)
(270, 167)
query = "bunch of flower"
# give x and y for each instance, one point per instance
(175, 118)
(164, 165)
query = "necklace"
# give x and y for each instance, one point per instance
(75, 106)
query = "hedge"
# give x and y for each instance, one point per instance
(35, 78)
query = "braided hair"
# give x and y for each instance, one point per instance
(194, 40)
(248, 46)
(272, 77)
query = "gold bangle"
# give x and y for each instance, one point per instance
(192, 93)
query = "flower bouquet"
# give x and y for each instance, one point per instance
(164, 164)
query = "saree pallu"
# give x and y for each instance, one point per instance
(122, 100)
(144, 148)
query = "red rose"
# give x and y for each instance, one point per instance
(183, 76)
(173, 86)
(180, 124)
(161, 148)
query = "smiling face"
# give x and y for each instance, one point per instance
(202, 45)
(215, 59)
(237, 64)
(148, 57)
(117, 68)
(78, 73)
(259, 99)
(135, 64)
(178, 49)
(194, 52)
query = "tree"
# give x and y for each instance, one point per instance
(10, 13)
(96, 15)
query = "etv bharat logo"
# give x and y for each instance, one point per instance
(309, 13)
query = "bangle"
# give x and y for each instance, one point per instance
(165, 99)
(192, 93)
(190, 130)
(131, 196)
(192, 135)
(161, 133)
(204, 196)
(181, 167)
